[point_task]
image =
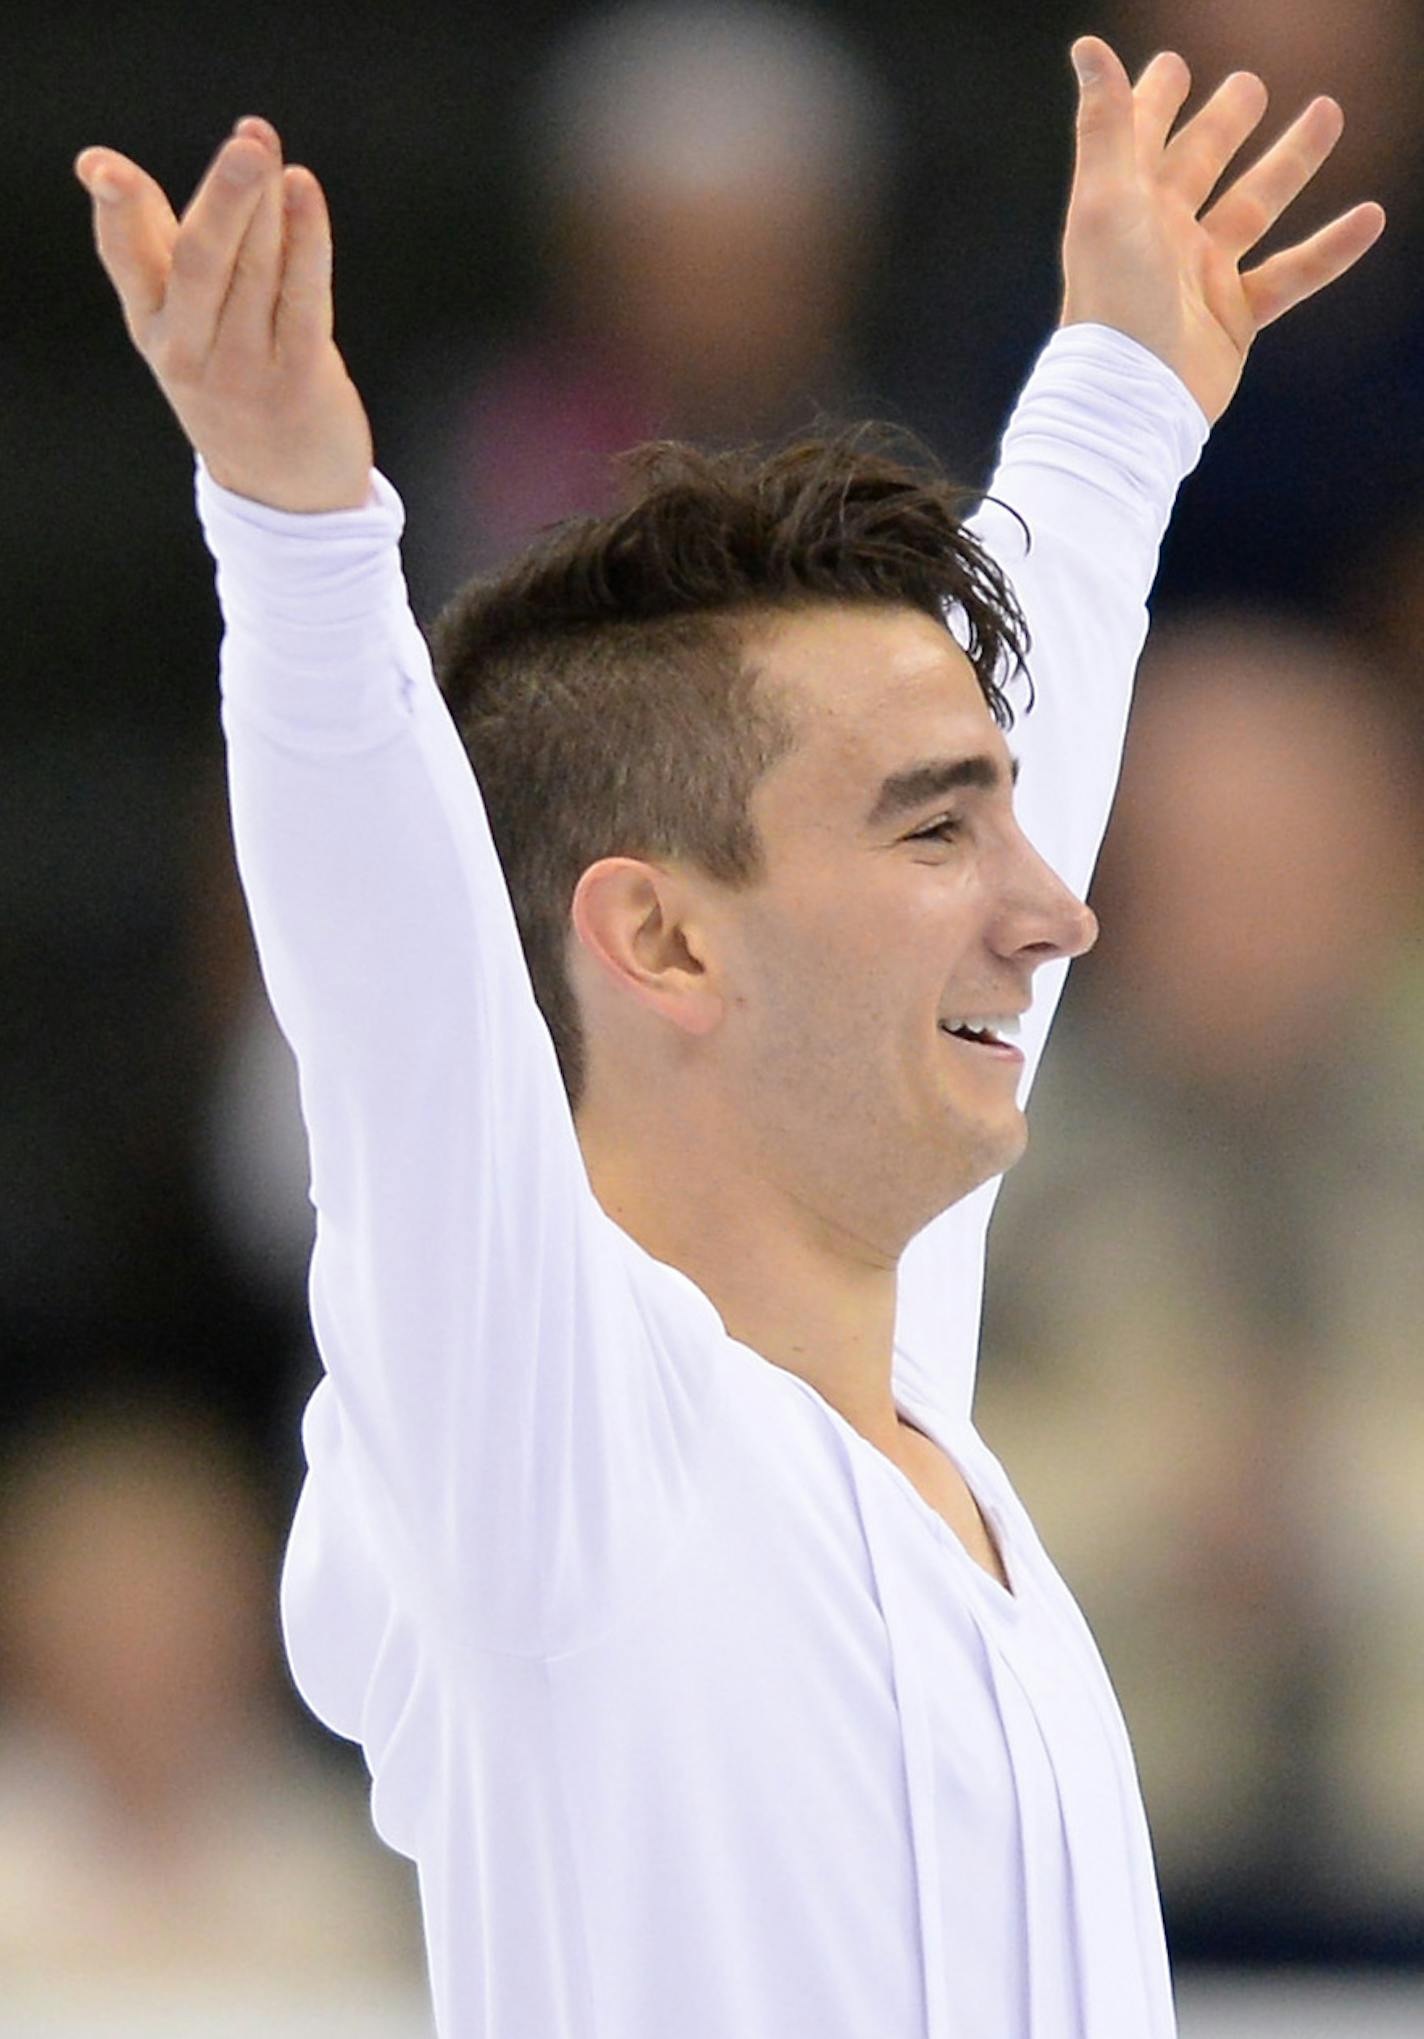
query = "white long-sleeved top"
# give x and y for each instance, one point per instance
(695, 1717)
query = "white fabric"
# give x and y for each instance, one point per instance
(695, 1717)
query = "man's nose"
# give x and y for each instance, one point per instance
(1045, 916)
(1069, 930)
(1085, 928)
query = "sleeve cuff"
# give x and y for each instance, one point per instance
(383, 511)
(320, 650)
(1103, 347)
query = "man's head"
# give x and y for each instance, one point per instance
(683, 719)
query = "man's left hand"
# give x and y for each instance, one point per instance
(1137, 257)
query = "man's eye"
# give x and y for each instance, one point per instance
(941, 831)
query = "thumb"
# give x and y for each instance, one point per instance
(134, 231)
(1106, 127)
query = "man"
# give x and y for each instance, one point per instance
(710, 1696)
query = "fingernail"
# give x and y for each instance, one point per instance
(1085, 65)
(104, 188)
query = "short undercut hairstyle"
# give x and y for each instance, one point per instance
(603, 684)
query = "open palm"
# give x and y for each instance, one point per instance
(1139, 252)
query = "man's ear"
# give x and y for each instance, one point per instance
(638, 926)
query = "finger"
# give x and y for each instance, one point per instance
(1253, 204)
(1195, 158)
(1159, 95)
(304, 313)
(252, 127)
(1105, 141)
(245, 322)
(1296, 273)
(134, 231)
(210, 234)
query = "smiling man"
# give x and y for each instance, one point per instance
(783, 1085)
(657, 1086)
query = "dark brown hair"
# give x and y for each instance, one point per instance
(601, 683)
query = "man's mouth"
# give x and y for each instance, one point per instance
(985, 1037)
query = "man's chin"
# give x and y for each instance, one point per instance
(990, 1147)
(970, 1172)
(1020, 1139)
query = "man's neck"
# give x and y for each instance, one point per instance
(785, 1282)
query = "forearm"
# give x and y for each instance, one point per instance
(1093, 456)
(351, 868)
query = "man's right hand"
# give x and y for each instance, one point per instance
(231, 309)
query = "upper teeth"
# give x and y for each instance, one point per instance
(1005, 1024)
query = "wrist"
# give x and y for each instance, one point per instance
(317, 496)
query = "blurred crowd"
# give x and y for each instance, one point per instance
(1203, 1360)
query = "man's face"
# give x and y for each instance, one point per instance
(875, 927)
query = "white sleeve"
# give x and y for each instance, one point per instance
(497, 1426)
(1097, 446)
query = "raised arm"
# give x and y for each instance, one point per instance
(1156, 325)
(497, 1441)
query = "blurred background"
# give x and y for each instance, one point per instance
(558, 232)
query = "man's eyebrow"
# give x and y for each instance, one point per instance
(918, 783)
